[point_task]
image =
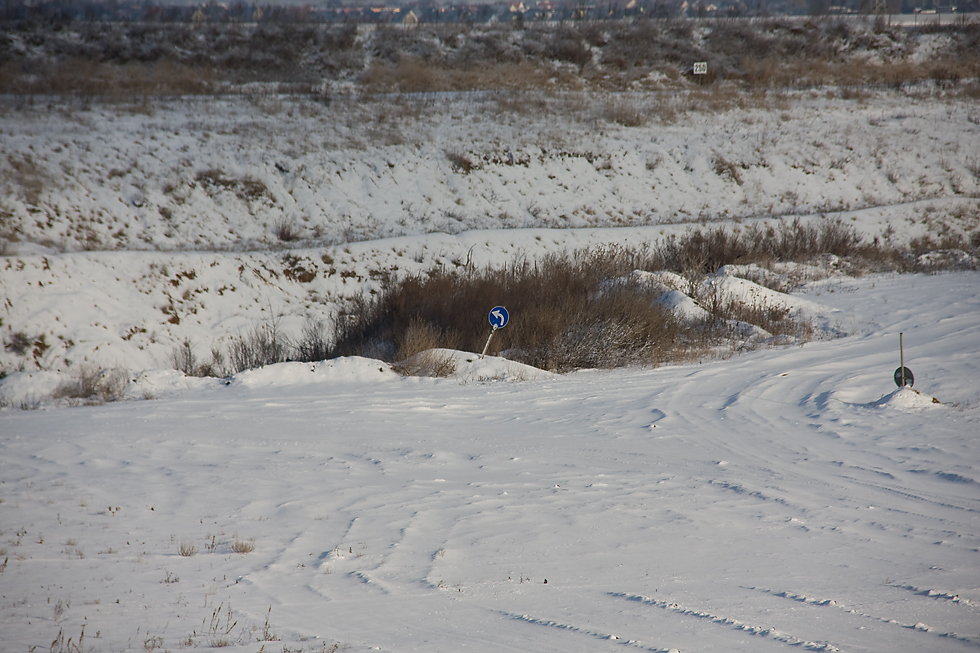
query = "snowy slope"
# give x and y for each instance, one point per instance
(785, 499)
(442, 180)
(238, 173)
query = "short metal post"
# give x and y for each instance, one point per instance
(901, 354)
(487, 346)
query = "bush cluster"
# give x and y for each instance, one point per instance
(169, 58)
(585, 309)
(571, 315)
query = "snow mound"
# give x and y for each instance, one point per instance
(752, 293)
(351, 369)
(161, 383)
(683, 305)
(687, 309)
(906, 399)
(727, 284)
(21, 389)
(949, 258)
(468, 367)
(664, 280)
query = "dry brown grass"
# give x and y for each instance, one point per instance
(27, 177)
(427, 363)
(87, 78)
(586, 310)
(105, 61)
(243, 546)
(569, 316)
(412, 75)
(91, 385)
(626, 112)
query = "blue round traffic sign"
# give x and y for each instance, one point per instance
(499, 317)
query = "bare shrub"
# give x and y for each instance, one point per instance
(459, 162)
(92, 385)
(267, 634)
(186, 548)
(558, 300)
(946, 73)
(725, 168)
(420, 336)
(587, 309)
(264, 345)
(219, 629)
(408, 75)
(28, 176)
(626, 113)
(705, 251)
(286, 230)
(427, 363)
(18, 343)
(247, 189)
(182, 357)
(60, 645)
(566, 44)
(314, 343)
(416, 350)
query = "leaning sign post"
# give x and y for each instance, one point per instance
(499, 317)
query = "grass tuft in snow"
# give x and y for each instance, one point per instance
(186, 548)
(92, 385)
(243, 546)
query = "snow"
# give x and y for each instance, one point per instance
(907, 399)
(224, 172)
(354, 369)
(786, 497)
(180, 205)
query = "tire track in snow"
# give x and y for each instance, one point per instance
(632, 643)
(936, 594)
(919, 626)
(761, 631)
(907, 494)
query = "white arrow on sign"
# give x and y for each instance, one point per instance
(499, 317)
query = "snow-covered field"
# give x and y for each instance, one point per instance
(786, 498)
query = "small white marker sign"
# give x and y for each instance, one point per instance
(700, 67)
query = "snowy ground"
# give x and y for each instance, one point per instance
(784, 499)
(232, 173)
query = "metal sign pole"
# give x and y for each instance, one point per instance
(901, 355)
(903, 375)
(487, 346)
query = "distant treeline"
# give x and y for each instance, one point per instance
(408, 12)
